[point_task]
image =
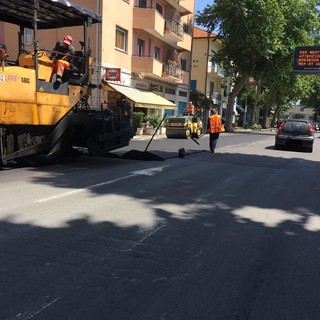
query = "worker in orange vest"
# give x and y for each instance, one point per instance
(62, 56)
(214, 128)
(190, 109)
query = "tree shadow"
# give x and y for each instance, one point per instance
(214, 250)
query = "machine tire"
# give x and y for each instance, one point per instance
(188, 132)
(199, 132)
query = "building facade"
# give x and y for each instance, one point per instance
(140, 44)
(206, 75)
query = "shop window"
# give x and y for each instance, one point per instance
(183, 94)
(170, 91)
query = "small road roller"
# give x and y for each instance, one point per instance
(183, 127)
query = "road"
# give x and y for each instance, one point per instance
(230, 235)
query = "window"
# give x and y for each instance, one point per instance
(159, 8)
(183, 64)
(170, 91)
(140, 47)
(211, 88)
(157, 53)
(183, 94)
(186, 28)
(142, 3)
(121, 38)
(27, 37)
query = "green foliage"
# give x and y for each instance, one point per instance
(258, 38)
(137, 118)
(313, 98)
(154, 120)
(200, 100)
(256, 126)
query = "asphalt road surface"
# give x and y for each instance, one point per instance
(230, 235)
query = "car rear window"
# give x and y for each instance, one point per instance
(296, 128)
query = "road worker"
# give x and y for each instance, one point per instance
(214, 128)
(62, 56)
(190, 109)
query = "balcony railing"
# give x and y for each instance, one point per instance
(172, 71)
(216, 98)
(214, 68)
(174, 27)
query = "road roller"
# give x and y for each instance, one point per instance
(183, 127)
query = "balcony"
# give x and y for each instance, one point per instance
(154, 69)
(173, 32)
(186, 43)
(174, 74)
(149, 20)
(216, 98)
(147, 65)
(184, 7)
(215, 69)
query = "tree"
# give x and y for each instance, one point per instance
(313, 99)
(257, 38)
(200, 100)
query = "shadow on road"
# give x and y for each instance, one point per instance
(214, 255)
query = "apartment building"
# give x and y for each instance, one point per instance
(206, 75)
(141, 45)
(151, 41)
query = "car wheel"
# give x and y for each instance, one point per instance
(276, 147)
(310, 149)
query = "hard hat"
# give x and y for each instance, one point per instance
(67, 39)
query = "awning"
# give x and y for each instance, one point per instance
(143, 99)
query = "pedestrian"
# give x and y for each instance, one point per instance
(214, 128)
(62, 56)
(124, 107)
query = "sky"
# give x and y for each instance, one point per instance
(200, 4)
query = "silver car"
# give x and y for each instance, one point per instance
(295, 133)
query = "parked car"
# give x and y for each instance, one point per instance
(295, 133)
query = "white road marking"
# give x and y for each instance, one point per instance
(146, 172)
(30, 314)
(150, 171)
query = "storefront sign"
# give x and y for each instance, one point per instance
(113, 74)
(141, 85)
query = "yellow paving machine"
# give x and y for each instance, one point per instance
(41, 120)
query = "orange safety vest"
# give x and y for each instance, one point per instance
(216, 124)
(190, 109)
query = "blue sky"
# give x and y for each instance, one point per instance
(200, 4)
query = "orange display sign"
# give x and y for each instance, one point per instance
(307, 60)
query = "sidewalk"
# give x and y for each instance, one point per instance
(271, 131)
